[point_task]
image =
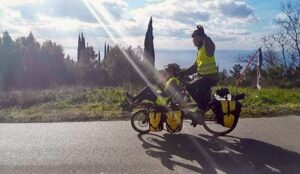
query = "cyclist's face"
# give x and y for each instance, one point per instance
(170, 73)
(198, 41)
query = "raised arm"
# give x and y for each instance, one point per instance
(209, 46)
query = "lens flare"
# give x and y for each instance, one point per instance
(105, 19)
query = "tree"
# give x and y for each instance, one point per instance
(52, 56)
(149, 54)
(118, 68)
(78, 47)
(105, 51)
(223, 77)
(35, 71)
(87, 55)
(10, 65)
(236, 71)
(81, 46)
(290, 23)
(281, 39)
(99, 57)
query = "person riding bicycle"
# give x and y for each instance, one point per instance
(168, 89)
(205, 67)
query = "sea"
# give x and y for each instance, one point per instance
(185, 58)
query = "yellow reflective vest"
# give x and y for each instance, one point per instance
(205, 65)
(170, 80)
(162, 101)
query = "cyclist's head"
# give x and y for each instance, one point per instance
(169, 71)
(199, 31)
(172, 69)
(198, 36)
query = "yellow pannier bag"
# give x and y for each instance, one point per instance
(174, 121)
(228, 107)
(155, 122)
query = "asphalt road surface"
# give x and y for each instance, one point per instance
(256, 146)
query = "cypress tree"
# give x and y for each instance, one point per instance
(83, 41)
(99, 57)
(78, 48)
(149, 53)
(105, 50)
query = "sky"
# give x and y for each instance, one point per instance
(233, 25)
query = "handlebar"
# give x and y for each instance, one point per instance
(184, 79)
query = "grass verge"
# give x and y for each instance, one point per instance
(85, 104)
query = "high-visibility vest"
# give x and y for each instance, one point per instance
(162, 101)
(170, 80)
(205, 64)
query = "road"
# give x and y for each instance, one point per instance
(256, 146)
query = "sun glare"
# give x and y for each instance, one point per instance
(100, 14)
(106, 20)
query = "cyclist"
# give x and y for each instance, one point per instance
(205, 68)
(168, 89)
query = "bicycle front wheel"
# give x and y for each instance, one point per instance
(140, 121)
(212, 126)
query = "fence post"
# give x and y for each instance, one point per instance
(259, 64)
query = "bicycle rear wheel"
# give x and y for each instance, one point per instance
(212, 126)
(140, 121)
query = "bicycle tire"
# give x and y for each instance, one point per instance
(219, 133)
(134, 115)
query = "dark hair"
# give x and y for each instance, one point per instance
(199, 31)
(174, 67)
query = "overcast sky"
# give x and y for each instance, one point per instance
(232, 24)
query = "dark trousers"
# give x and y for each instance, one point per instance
(146, 94)
(199, 89)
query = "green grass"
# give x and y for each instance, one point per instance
(63, 104)
(84, 104)
(269, 101)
